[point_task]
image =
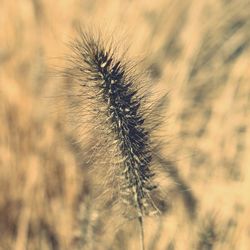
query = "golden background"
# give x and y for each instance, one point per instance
(199, 52)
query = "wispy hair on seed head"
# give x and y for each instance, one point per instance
(108, 102)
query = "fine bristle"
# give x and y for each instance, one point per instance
(112, 88)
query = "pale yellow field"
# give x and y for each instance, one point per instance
(198, 52)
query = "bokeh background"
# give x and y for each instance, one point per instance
(198, 52)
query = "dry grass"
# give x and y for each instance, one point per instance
(199, 51)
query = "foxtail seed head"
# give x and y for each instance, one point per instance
(108, 88)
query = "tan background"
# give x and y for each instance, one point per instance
(199, 52)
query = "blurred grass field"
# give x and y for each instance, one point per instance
(199, 52)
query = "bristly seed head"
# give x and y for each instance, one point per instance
(114, 87)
